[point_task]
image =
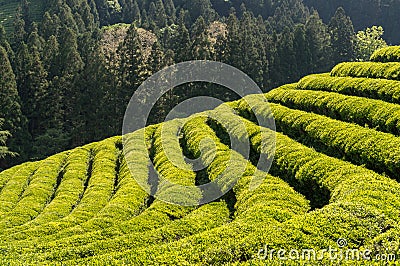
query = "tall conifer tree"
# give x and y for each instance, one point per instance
(342, 37)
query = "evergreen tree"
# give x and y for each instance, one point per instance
(49, 26)
(282, 17)
(167, 37)
(170, 10)
(34, 39)
(233, 47)
(53, 102)
(37, 107)
(50, 58)
(32, 87)
(270, 53)
(130, 11)
(132, 69)
(104, 13)
(9, 100)
(201, 46)
(157, 13)
(284, 68)
(133, 12)
(69, 60)
(22, 64)
(220, 49)
(168, 59)
(53, 99)
(70, 66)
(156, 59)
(93, 118)
(199, 8)
(55, 140)
(14, 121)
(317, 34)
(145, 20)
(252, 52)
(5, 44)
(182, 42)
(131, 51)
(342, 37)
(65, 70)
(85, 13)
(302, 51)
(94, 11)
(4, 150)
(136, 12)
(19, 34)
(66, 17)
(26, 15)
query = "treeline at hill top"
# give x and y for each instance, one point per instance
(69, 68)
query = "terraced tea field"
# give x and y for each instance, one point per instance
(333, 184)
(8, 9)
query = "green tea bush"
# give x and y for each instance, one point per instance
(171, 166)
(15, 186)
(376, 114)
(7, 174)
(367, 70)
(381, 89)
(38, 192)
(387, 54)
(340, 138)
(91, 205)
(67, 193)
(204, 218)
(254, 215)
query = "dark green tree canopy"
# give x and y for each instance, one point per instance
(9, 99)
(342, 36)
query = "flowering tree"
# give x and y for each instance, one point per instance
(368, 41)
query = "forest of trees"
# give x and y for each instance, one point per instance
(59, 91)
(365, 13)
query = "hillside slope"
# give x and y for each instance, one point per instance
(8, 10)
(334, 184)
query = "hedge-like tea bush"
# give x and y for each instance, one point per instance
(71, 186)
(17, 179)
(381, 89)
(65, 194)
(387, 54)
(347, 183)
(65, 227)
(228, 165)
(339, 138)
(338, 176)
(376, 114)
(157, 215)
(253, 214)
(367, 70)
(204, 218)
(355, 213)
(171, 166)
(362, 205)
(39, 189)
(6, 175)
(89, 206)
